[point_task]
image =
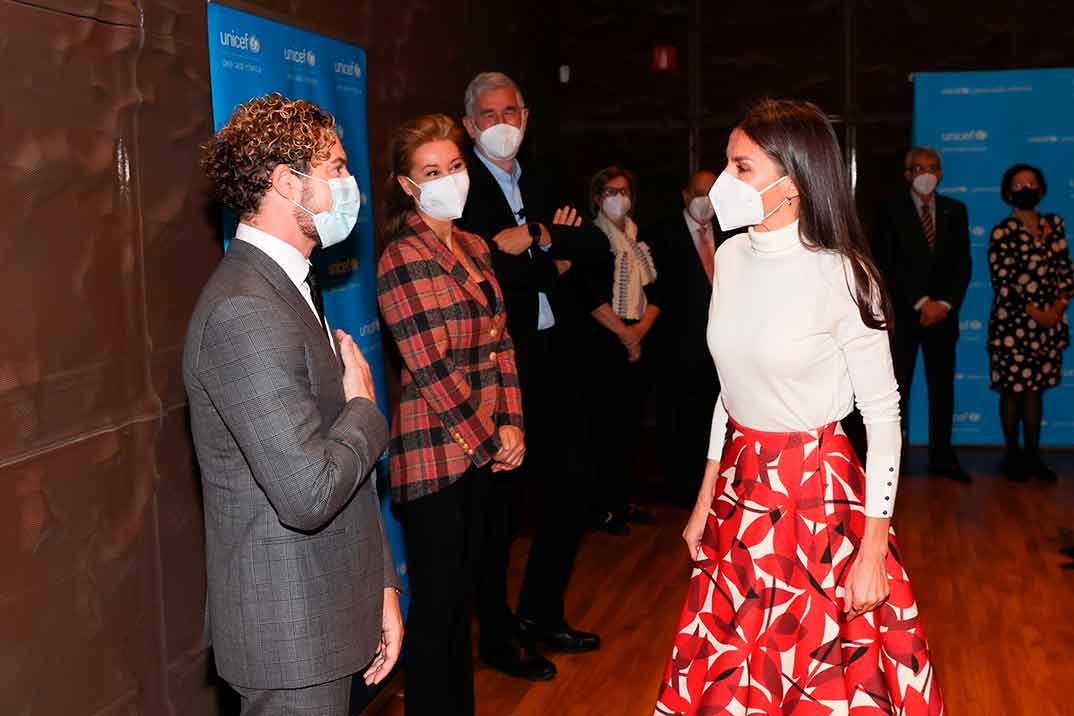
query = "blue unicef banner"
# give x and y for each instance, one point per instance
(251, 56)
(982, 123)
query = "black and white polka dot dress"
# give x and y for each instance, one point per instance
(1026, 355)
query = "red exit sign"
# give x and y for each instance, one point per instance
(665, 58)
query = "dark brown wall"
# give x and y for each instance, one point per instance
(107, 239)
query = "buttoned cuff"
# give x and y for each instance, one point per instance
(881, 485)
(921, 302)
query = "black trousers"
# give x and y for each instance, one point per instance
(938, 343)
(685, 401)
(615, 400)
(445, 532)
(559, 457)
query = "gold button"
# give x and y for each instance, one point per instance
(471, 452)
(492, 355)
(493, 333)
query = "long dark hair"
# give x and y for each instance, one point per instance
(405, 141)
(799, 138)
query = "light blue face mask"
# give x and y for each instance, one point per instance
(335, 224)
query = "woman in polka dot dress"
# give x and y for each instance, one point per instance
(1028, 331)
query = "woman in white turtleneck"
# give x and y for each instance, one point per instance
(798, 598)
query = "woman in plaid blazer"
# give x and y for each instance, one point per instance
(460, 413)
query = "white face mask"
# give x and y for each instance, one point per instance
(738, 204)
(335, 224)
(925, 184)
(500, 141)
(701, 209)
(615, 207)
(444, 197)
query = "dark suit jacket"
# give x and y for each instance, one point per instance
(522, 277)
(685, 293)
(910, 268)
(297, 559)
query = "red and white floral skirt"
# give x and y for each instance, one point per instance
(763, 630)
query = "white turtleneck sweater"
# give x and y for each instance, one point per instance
(793, 353)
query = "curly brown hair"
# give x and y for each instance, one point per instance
(405, 141)
(261, 134)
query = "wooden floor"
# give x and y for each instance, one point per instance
(996, 600)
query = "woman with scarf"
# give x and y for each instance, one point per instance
(624, 305)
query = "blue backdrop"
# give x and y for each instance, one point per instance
(982, 123)
(251, 56)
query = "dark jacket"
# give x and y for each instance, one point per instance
(911, 269)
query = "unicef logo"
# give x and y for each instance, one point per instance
(348, 69)
(245, 41)
(968, 417)
(300, 57)
(971, 135)
(978, 231)
(972, 325)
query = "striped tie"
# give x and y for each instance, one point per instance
(928, 225)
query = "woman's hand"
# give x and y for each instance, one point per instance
(513, 449)
(633, 352)
(630, 335)
(695, 527)
(866, 585)
(867, 581)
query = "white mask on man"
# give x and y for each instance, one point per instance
(925, 184)
(500, 141)
(701, 210)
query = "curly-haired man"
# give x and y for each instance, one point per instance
(301, 582)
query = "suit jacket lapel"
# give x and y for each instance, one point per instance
(446, 258)
(914, 227)
(278, 279)
(488, 185)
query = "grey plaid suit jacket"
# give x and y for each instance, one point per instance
(297, 558)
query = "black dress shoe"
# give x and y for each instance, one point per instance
(518, 658)
(953, 472)
(612, 523)
(1035, 467)
(560, 637)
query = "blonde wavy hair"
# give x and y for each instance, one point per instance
(261, 134)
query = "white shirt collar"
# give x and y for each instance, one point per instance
(290, 259)
(691, 223)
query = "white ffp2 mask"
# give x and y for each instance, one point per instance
(738, 204)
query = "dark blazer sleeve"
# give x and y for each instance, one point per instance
(408, 302)
(585, 244)
(905, 281)
(953, 288)
(522, 273)
(259, 380)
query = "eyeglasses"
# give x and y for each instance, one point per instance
(916, 169)
(611, 191)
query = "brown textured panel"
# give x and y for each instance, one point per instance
(75, 356)
(74, 528)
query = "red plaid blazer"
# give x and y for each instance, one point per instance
(459, 382)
